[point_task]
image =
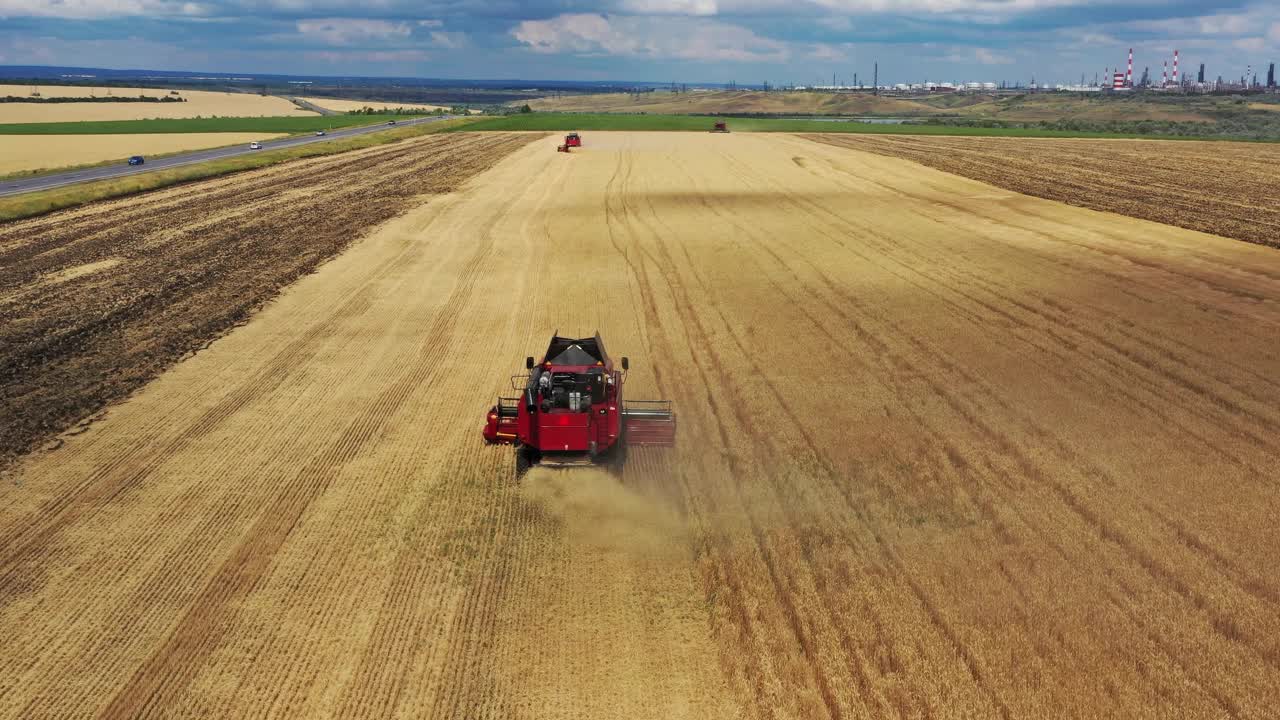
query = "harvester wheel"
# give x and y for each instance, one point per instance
(616, 458)
(525, 459)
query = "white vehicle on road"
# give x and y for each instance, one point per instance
(255, 145)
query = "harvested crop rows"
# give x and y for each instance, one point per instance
(945, 451)
(183, 266)
(1224, 188)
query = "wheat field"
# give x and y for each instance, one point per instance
(199, 103)
(945, 451)
(20, 153)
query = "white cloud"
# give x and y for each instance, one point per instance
(431, 23)
(987, 57)
(371, 56)
(991, 8)
(670, 7)
(97, 9)
(829, 52)
(448, 40)
(982, 56)
(128, 51)
(1274, 33)
(352, 31)
(1225, 24)
(1252, 44)
(658, 38)
(1235, 23)
(1094, 38)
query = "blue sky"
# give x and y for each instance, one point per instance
(783, 41)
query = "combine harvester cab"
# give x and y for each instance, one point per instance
(573, 140)
(571, 410)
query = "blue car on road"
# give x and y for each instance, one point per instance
(136, 160)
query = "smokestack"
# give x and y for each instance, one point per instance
(1271, 76)
(1128, 77)
(1200, 79)
(1164, 75)
(1175, 67)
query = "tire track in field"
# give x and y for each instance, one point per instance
(103, 486)
(1142, 558)
(184, 280)
(167, 671)
(1102, 175)
(812, 449)
(1014, 304)
(931, 464)
(374, 686)
(698, 337)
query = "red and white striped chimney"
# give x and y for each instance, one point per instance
(1164, 76)
(1128, 77)
(1175, 67)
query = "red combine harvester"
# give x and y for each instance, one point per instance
(571, 410)
(573, 140)
(720, 127)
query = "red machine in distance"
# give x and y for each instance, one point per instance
(571, 410)
(573, 140)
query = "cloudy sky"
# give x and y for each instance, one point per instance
(783, 41)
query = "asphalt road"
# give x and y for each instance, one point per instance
(71, 177)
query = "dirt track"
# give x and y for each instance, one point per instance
(946, 451)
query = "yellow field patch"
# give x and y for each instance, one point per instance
(198, 103)
(19, 153)
(349, 105)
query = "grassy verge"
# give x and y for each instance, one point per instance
(287, 125)
(38, 203)
(602, 121)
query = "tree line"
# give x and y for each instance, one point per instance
(93, 99)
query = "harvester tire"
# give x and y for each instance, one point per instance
(524, 461)
(617, 458)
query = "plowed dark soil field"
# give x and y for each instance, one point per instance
(98, 301)
(945, 451)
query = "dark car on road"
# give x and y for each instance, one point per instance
(136, 160)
